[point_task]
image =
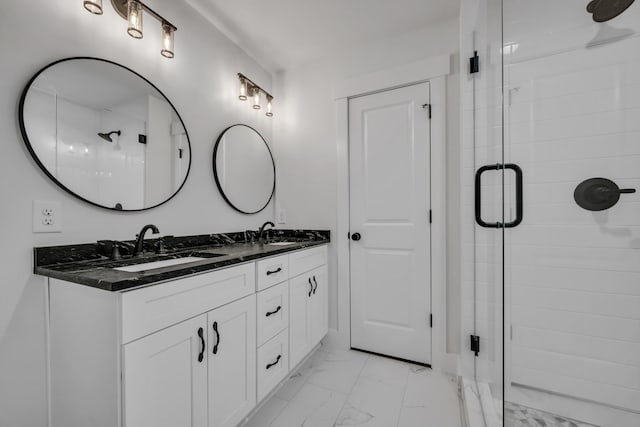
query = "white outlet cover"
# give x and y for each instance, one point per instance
(281, 216)
(47, 216)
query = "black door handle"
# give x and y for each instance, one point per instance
(356, 236)
(277, 270)
(271, 365)
(215, 329)
(310, 287)
(271, 313)
(316, 287)
(202, 343)
(519, 196)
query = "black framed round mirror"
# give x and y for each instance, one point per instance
(105, 134)
(244, 169)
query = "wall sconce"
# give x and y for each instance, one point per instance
(249, 88)
(132, 12)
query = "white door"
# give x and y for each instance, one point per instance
(232, 362)
(165, 377)
(389, 147)
(300, 291)
(319, 300)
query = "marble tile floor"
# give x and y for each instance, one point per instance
(521, 416)
(351, 388)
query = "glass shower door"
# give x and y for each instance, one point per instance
(571, 110)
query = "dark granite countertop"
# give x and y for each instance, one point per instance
(88, 264)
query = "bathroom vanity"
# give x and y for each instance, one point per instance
(197, 341)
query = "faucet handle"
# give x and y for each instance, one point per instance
(115, 251)
(160, 248)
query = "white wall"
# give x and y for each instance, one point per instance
(306, 138)
(201, 82)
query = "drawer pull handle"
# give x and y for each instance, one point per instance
(316, 282)
(202, 343)
(215, 329)
(271, 313)
(271, 365)
(277, 270)
(310, 287)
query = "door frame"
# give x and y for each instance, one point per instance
(435, 71)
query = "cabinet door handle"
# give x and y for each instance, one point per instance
(316, 282)
(202, 343)
(271, 313)
(271, 365)
(277, 270)
(215, 329)
(310, 287)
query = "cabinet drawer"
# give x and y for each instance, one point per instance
(156, 307)
(272, 271)
(273, 311)
(273, 363)
(303, 261)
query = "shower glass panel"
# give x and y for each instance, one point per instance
(571, 121)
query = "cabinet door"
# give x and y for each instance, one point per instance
(232, 362)
(165, 377)
(300, 291)
(319, 305)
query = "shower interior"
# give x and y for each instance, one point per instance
(555, 300)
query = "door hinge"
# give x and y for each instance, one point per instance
(430, 216)
(428, 108)
(474, 63)
(431, 320)
(475, 344)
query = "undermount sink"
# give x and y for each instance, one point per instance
(281, 243)
(158, 264)
(152, 265)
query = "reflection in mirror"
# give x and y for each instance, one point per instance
(105, 134)
(244, 169)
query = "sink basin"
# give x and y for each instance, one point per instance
(281, 243)
(159, 264)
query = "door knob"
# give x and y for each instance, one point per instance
(356, 237)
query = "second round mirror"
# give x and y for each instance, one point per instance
(244, 169)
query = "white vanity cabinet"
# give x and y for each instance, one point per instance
(165, 377)
(199, 351)
(308, 306)
(172, 375)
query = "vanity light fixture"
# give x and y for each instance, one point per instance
(132, 11)
(269, 106)
(249, 88)
(93, 6)
(134, 16)
(243, 88)
(256, 99)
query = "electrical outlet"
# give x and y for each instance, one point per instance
(47, 216)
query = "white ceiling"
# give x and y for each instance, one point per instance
(282, 33)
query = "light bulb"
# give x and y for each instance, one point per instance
(93, 6)
(134, 16)
(243, 90)
(256, 99)
(269, 106)
(167, 40)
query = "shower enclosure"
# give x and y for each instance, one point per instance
(551, 257)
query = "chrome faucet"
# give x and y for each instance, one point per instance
(139, 249)
(262, 230)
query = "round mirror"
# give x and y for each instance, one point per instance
(244, 169)
(105, 134)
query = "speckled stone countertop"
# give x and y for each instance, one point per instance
(91, 265)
